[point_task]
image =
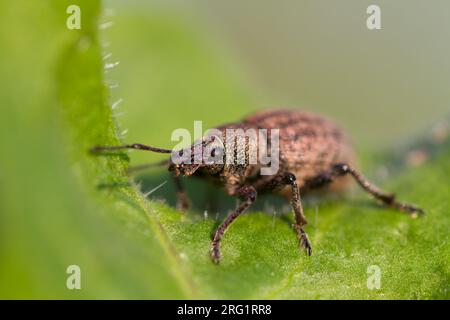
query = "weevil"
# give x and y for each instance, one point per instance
(314, 153)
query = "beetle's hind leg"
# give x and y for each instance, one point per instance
(387, 198)
(342, 169)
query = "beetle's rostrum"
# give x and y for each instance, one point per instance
(313, 154)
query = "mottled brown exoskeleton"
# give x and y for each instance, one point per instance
(313, 154)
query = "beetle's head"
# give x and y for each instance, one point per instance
(209, 155)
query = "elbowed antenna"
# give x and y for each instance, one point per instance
(148, 166)
(136, 146)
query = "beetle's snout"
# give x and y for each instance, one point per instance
(183, 169)
(178, 169)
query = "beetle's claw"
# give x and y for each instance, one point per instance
(215, 254)
(305, 244)
(412, 210)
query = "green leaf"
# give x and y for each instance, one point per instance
(61, 205)
(261, 257)
(167, 62)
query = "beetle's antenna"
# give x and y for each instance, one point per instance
(137, 146)
(147, 166)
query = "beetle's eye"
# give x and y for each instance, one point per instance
(216, 152)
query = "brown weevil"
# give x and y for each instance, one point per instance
(313, 153)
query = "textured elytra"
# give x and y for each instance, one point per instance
(309, 144)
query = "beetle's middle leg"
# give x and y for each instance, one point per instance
(288, 179)
(296, 202)
(247, 195)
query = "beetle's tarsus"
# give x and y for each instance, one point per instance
(410, 209)
(305, 244)
(215, 253)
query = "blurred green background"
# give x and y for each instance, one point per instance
(215, 61)
(383, 86)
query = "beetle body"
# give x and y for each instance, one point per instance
(313, 153)
(309, 145)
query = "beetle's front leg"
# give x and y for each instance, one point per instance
(300, 220)
(183, 201)
(247, 195)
